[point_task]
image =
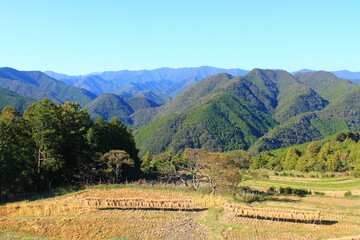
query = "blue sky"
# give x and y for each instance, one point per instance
(83, 36)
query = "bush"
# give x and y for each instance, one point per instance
(329, 175)
(319, 193)
(295, 191)
(348, 194)
(271, 191)
(301, 192)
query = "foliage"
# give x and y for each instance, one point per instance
(338, 153)
(348, 194)
(114, 161)
(193, 166)
(295, 191)
(53, 145)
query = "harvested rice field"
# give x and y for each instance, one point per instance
(146, 213)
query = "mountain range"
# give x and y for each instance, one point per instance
(37, 85)
(263, 110)
(166, 81)
(213, 109)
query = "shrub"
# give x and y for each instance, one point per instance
(271, 191)
(295, 191)
(348, 194)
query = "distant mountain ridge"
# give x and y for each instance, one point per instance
(168, 81)
(38, 85)
(345, 74)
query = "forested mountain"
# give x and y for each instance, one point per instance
(152, 96)
(223, 112)
(111, 106)
(37, 85)
(340, 114)
(10, 98)
(167, 81)
(263, 110)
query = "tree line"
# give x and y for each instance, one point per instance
(52, 145)
(340, 154)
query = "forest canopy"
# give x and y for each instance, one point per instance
(53, 144)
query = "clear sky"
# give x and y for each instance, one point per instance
(83, 36)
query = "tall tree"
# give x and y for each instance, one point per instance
(73, 127)
(16, 154)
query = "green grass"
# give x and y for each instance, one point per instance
(212, 223)
(326, 184)
(11, 236)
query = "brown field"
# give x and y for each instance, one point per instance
(70, 217)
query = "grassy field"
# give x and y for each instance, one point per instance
(70, 217)
(336, 186)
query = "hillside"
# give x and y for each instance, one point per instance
(10, 98)
(167, 81)
(152, 96)
(37, 85)
(340, 114)
(111, 106)
(222, 112)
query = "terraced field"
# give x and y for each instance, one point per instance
(336, 187)
(206, 217)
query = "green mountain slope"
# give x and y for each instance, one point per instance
(38, 85)
(326, 84)
(226, 123)
(10, 98)
(340, 114)
(157, 98)
(222, 112)
(111, 106)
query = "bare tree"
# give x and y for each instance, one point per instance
(115, 160)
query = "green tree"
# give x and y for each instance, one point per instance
(16, 154)
(44, 121)
(291, 158)
(74, 148)
(145, 163)
(334, 162)
(357, 166)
